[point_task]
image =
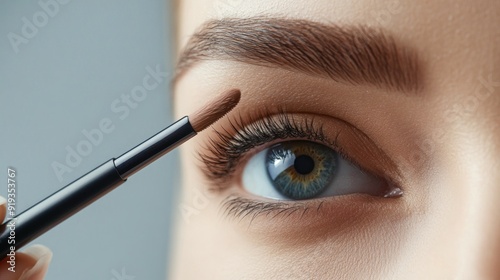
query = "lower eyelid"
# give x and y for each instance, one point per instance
(337, 215)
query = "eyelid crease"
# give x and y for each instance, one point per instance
(222, 153)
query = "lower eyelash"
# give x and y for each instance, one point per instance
(223, 153)
(240, 208)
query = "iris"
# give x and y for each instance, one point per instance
(301, 169)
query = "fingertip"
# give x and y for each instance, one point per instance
(43, 257)
(38, 251)
(12, 267)
(3, 208)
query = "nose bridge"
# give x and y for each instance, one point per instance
(489, 241)
(480, 252)
(481, 162)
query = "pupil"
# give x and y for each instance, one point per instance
(303, 164)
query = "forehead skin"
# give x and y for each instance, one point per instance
(453, 229)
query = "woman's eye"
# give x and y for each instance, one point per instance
(295, 170)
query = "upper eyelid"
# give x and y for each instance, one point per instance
(359, 148)
(221, 155)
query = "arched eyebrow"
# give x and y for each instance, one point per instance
(354, 54)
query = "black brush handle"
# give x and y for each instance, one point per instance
(59, 206)
(56, 208)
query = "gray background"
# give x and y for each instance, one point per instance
(64, 80)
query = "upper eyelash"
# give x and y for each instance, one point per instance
(225, 151)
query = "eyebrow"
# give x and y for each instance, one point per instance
(353, 54)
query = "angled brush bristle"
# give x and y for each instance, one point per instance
(214, 109)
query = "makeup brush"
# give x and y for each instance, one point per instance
(59, 206)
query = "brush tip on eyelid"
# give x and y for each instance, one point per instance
(215, 109)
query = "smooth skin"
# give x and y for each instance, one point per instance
(446, 139)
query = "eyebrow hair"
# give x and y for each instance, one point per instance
(354, 54)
